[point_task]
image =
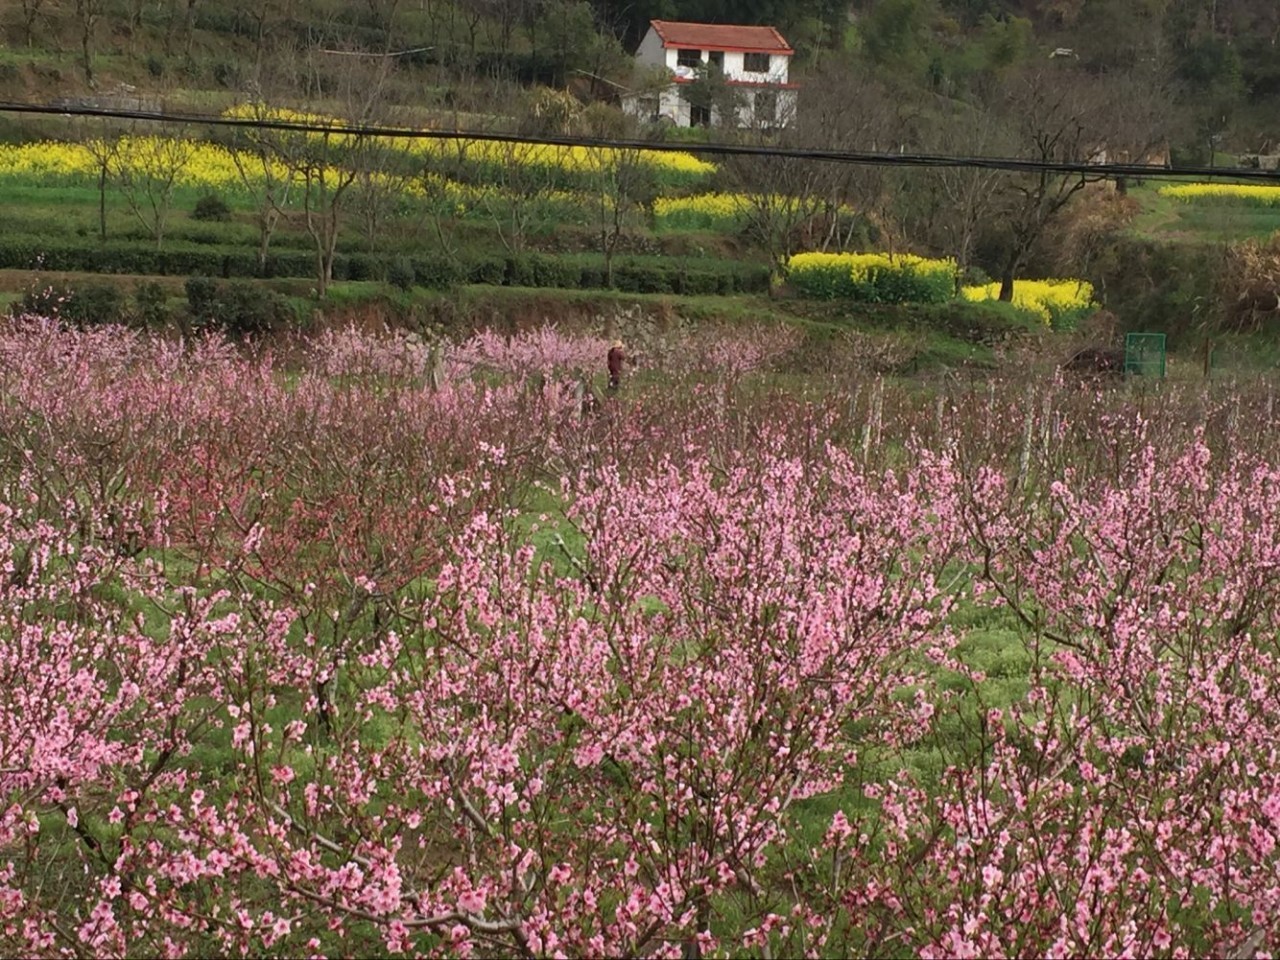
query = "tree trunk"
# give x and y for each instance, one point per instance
(102, 201)
(29, 14)
(328, 252)
(266, 227)
(170, 27)
(1006, 279)
(135, 26)
(260, 37)
(86, 50)
(191, 25)
(322, 273)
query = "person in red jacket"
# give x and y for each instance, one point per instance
(617, 357)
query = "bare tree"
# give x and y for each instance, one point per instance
(325, 165)
(256, 154)
(436, 201)
(135, 24)
(184, 10)
(87, 14)
(501, 17)
(31, 10)
(853, 109)
(103, 144)
(516, 191)
(948, 206)
(781, 195)
(785, 195)
(472, 13)
(189, 25)
(147, 173)
(382, 177)
(261, 13)
(623, 184)
(1061, 114)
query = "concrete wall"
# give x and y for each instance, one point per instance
(650, 51)
(672, 107)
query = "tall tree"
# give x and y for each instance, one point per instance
(624, 184)
(1060, 113)
(31, 10)
(256, 153)
(324, 166)
(895, 35)
(88, 12)
(147, 172)
(102, 141)
(947, 206)
(783, 196)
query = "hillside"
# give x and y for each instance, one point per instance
(1217, 58)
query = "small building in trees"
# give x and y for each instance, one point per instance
(718, 75)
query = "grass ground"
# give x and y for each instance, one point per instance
(70, 213)
(921, 346)
(1164, 218)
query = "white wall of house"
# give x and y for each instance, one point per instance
(775, 66)
(755, 108)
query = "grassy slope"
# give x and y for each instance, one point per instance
(159, 58)
(1210, 225)
(1171, 220)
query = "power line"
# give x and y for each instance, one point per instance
(861, 158)
(365, 53)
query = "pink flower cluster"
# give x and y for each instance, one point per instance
(303, 665)
(542, 350)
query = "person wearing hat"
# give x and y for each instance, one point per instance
(617, 357)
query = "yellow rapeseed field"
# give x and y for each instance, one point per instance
(205, 165)
(1044, 298)
(701, 211)
(574, 160)
(196, 163)
(860, 265)
(874, 277)
(578, 160)
(1248, 193)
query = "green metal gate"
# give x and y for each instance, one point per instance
(1144, 354)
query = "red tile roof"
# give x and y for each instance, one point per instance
(715, 36)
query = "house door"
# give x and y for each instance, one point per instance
(699, 116)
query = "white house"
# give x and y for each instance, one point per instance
(754, 61)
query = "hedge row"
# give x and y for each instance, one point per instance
(630, 274)
(985, 322)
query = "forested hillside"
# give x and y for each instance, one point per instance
(1217, 57)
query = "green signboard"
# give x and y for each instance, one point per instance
(1144, 354)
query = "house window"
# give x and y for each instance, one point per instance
(716, 59)
(699, 116)
(689, 58)
(755, 62)
(650, 108)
